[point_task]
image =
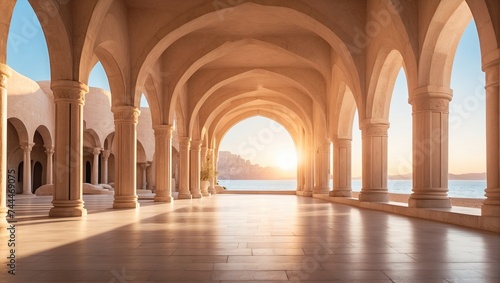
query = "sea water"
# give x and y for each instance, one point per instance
(457, 188)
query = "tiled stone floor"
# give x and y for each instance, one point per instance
(243, 238)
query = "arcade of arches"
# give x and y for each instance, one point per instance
(206, 65)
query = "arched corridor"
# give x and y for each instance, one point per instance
(324, 69)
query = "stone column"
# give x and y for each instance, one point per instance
(27, 168)
(491, 206)
(50, 172)
(309, 172)
(300, 186)
(126, 118)
(105, 165)
(341, 168)
(374, 160)
(203, 156)
(323, 169)
(144, 167)
(94, 180)
(195, 169)
(211, 158)
(204, 163)
(430, 147)
(4, 76)
(184, 146)
(163, 162)
(69, 98)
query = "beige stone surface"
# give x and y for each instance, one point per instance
(205, 66)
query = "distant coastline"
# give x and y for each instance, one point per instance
(458, 177)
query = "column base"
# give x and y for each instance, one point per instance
(307, 194)
(163, 199)
(426, 198)
(321, 190)
(490, 210)
(125, 202)
(27, 194)
(205, 194)
(212, 191)
(341, 193)
(491, 205)
(374, 196)
(67, 209)
(184, 196)
(429, 203)
(197, 195)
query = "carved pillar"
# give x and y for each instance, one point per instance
(430, 147)
(94, 180)
(374, 160)
(144, 167)
(68, 157)
(309, 172)
(204, 163)
(105, 165)
(341, 168)
(163, 162)
(50, 172)
(195, 169)
(300, 186)
(491, 206)
(323, 169)
(211, 159)
(27, 168)
(4, 76)
(126, 118)
(184, 146)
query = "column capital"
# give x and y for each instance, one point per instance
(126, 114)
(184, 142)
(106, 153)
(490, 60)
(196, 145)
(27, 147)
(96, 151)
(164, 130)
(69, 91)
(374, 128)
(342, 142)
(49, 150)
(5, 74)
(431, 98)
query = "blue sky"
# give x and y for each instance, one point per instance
(27, 54)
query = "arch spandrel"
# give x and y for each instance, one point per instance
(381, 85)
(172, 32)
(440, 42)
(276, 104)
(233, 98)
(273, 110)
(488, 31)
(263, 51)
(228, 79)
(6, 10)
(55, 21)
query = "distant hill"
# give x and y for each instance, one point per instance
(467, 176)
(231, 166)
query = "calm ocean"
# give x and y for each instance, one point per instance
(460, 189)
